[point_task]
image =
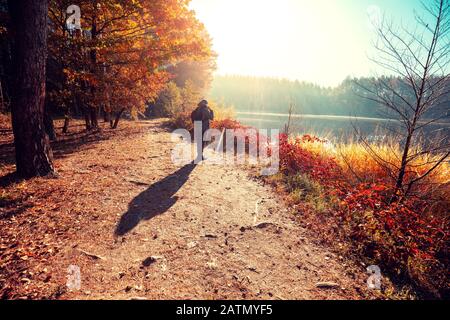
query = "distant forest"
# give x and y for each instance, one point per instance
(350, 98)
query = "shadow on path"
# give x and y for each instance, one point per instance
(156, 200)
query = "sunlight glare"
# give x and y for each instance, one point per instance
(296, 39)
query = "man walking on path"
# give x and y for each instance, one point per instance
(202, 114)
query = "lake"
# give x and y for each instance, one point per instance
(333, 127)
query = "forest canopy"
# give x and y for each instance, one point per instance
(124, 55)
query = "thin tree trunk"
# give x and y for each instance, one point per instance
(94, 117)
(93, 55)
(106, 115)
(66, 124)
(2, 100)
(411, 130)
(116, 121)
(402, 171)
(29, 28)
(87, 121)
(87, 118)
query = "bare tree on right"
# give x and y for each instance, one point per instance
(418, 94)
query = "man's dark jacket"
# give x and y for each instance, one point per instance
(205, 115)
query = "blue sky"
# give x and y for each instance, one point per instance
(322, 41)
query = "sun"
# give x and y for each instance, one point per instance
(255, 31)
(315, 41)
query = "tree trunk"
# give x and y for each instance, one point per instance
(402, 171)
(106, 115)
(66, 124)
(29, 29)
(48, 123)
(116, 121)
(94, 117)
(2, 100)
(404, 164)
(87, 118)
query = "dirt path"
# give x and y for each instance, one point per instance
(142, 228)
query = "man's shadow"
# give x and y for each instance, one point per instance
(156, 200)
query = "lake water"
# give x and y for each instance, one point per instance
(333, 127)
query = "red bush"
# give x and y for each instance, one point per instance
(294, 158)
(391, 233)
(227, 124)
(403, 230)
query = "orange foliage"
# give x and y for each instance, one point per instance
(227, 124)
(124, 61)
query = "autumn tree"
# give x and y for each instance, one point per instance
(190, 82)
(29, 31)
(121, 64)
(168, 102)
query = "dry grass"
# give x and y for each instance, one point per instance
(374, 161)
(222, 112)
(380, 161)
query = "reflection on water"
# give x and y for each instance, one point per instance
(335, 127)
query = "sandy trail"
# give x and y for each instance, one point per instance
(144, 228)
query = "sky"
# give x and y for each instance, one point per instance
(320, 41)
